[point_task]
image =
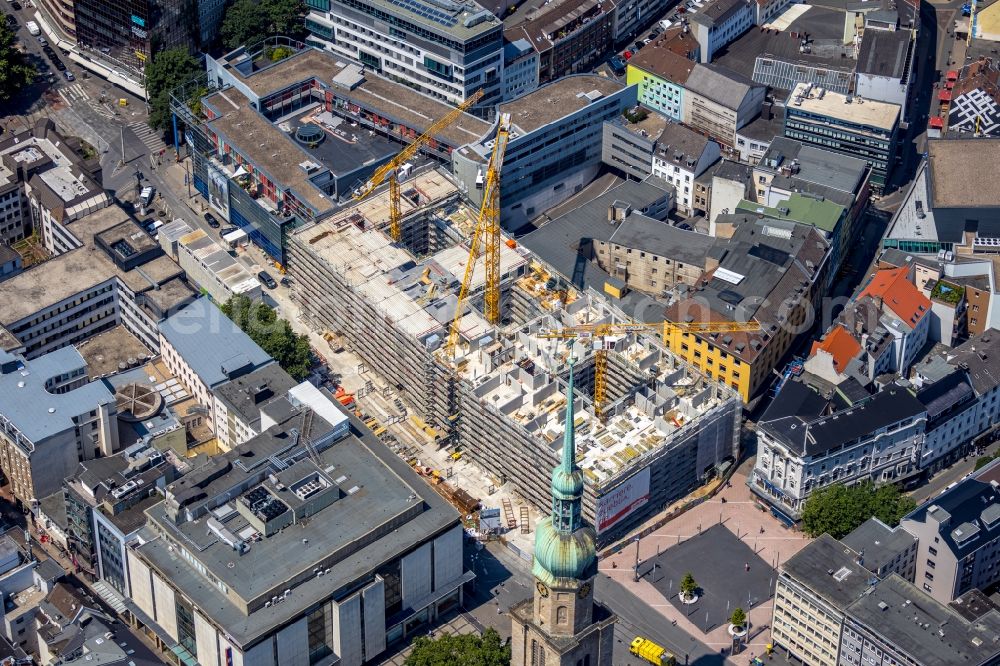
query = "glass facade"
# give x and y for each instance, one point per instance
(319, 648)
(110, 548)
(185, 626)
(128, 32)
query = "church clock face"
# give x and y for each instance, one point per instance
(542, 590)
(584, 590)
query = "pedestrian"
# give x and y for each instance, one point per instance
(747, 566)
(761, 529)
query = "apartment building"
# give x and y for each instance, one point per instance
(681, 156)
(661, 69)
(204, 349)
(51, 417)
(897, 624)
(555, 148)
(719, 22)
(45, 185)
(718, 101)
(959, 539)
(845, 124)
(884, 550)
(447, 50)
(367, 549)
(815, 587)
(238, 403)
(810, 440)
(748, 284)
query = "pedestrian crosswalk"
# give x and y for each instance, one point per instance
(101, 109)
(72, 93)
(148, 136)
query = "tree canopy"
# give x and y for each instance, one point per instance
(15, 72)
(168, 69)
(249, 21)
(838, 509)
(738, 618)
(461, 650)
(274, 335)
(688, 584)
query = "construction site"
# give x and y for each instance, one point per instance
(496, 393)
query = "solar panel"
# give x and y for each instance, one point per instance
(423, 10)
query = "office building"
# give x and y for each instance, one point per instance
(520, 69)
(719, 22)
(749, 264)
(204, 349)
(815, 587)
(206, 263)
(238, 403)
(128, 33)
(367, 549)
(46, 185)
(241, 158)
(845, 124)
(897, 624)
(884, 550)
(885, 66)
(93, 287)
(555, 147)
(446, 50)
(52, 417)
(809, 440)
(569, 37)
(561, 624)
(11, 262)
(661, 69)
(946, 210)
(754, 138)
(959, 538)
(718, 102)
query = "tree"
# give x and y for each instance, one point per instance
(838, 509)
(688, 585)
(249, 21)
(166, 71)
(460, 650)
(738, 618)
(274, 335)
(15, 72)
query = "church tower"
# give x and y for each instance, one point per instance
(562, 625)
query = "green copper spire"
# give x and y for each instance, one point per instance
(564, 545)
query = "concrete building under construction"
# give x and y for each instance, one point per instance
(499, 397)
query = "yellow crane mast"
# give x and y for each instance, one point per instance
(665, 328)
(487, 231)
(388, 170)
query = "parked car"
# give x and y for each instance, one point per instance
(286, 281)
(43, 41)
(16, 6)
(227, 230)
(69, 75)
(212, 222)
(627, 55)
(51, 79)
(617, 65)
(266, 278)
(12, 21)
(638, 45)
(59, 65)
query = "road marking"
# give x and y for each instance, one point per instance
(148, 136)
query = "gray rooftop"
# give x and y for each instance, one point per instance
(821, 167)
(719, 84)
(716, 11)
(208, 341)
(883, 52)
(929, 632)
(661, 238)
(246, 395)
(39, 414)
(381, 510)
(677, 144)
(980, 354)
(830, 570)
(968, 515)
(878, 543)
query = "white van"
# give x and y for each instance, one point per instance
(33, 28)
(146, 196)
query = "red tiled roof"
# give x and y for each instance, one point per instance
(895, 290)
(937, 122)
(840, 344)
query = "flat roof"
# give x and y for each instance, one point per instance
(62, 276)
(879, 543)
(246, 395)
(716, 11)
(662, 238)
(814, 211)
(107, 349)
(830, 570)
(388, 492)
(815, 165)
(930, 632)
(867, 112)
(558, 99)
(344, 149)
(393, 100)
(883, 52)
(210, 343)
(950, 161)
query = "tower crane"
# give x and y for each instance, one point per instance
(388, 170)
(665, 328)
(487, 232)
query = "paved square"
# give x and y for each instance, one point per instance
(718, 560)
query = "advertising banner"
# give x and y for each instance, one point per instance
(622, 501)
